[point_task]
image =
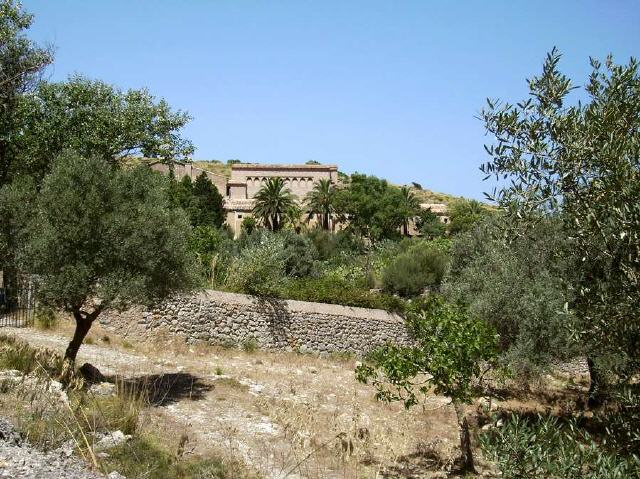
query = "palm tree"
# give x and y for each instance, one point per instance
(273, 202)
(409, 208)
(320, 201)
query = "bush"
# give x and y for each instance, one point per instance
(213, 248)
(331, 290)
(299, 255)
(544, 447)
(411, 272)
(519, 287)
(45, 318)
(331, 245)
(259, 268)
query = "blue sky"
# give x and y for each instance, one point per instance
(389, 88)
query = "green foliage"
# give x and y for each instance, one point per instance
(45, 318)
(519, 286)
(274, 204)
(581, 160)
(412, 272)
(259, 268)
(213, 247)
(329, 289)
(544, 447)
(96, 119)
(621, 420)
(21, 66)
(320, 201)
(450, 349)
(250, 345)
(249, 225)
(429, 225)
(333, 245)
(371, 207)
(299, 255)
(107, 235)
(464, 214)
(144, 457)
(200, 200)
(206, 205)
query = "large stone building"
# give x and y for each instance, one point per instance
(246, 180)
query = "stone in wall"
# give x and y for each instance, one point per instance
(216, 317)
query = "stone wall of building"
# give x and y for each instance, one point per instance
(300, 179)
(215, 317)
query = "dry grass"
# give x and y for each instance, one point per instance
(280, 414)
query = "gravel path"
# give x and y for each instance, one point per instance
(18, 459)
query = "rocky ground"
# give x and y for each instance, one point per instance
(18, 459)
(284, 415)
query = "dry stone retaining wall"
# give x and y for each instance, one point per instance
(227, 318)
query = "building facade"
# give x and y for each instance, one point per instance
(247, 179)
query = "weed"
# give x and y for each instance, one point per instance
(218, 371)
(106, 339)
(45, 318)
(232, 383)
(127, 345)
(22, 357)
(250, 345)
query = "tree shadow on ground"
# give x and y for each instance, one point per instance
(418, 464)
(163, 389)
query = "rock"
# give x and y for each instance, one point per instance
(115, 475)
(91, 373)
(111, 439)
(103, 389)
(8, 434)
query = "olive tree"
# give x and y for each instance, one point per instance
(581, 161)
(449, 352)
(520, 286)
(102, 237)
(97, 119)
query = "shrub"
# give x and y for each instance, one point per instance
(519, 287)
(411, 272)
(213, 248)
(45, 318)
(544, 447)
(332, 245)
(249, 224)
(334, 291)
(259, 268)
(299, 255)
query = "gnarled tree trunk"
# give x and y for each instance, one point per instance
(595, 385)
(467, 463)
(83, 325)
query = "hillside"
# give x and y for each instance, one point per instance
(214, 166)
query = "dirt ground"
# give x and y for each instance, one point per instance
(285, 415)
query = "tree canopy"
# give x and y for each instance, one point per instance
(371, 207)
(580, 161)
(98, 119)
(320, 201)
(21, 65)
(274, 204)
(103, 238)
